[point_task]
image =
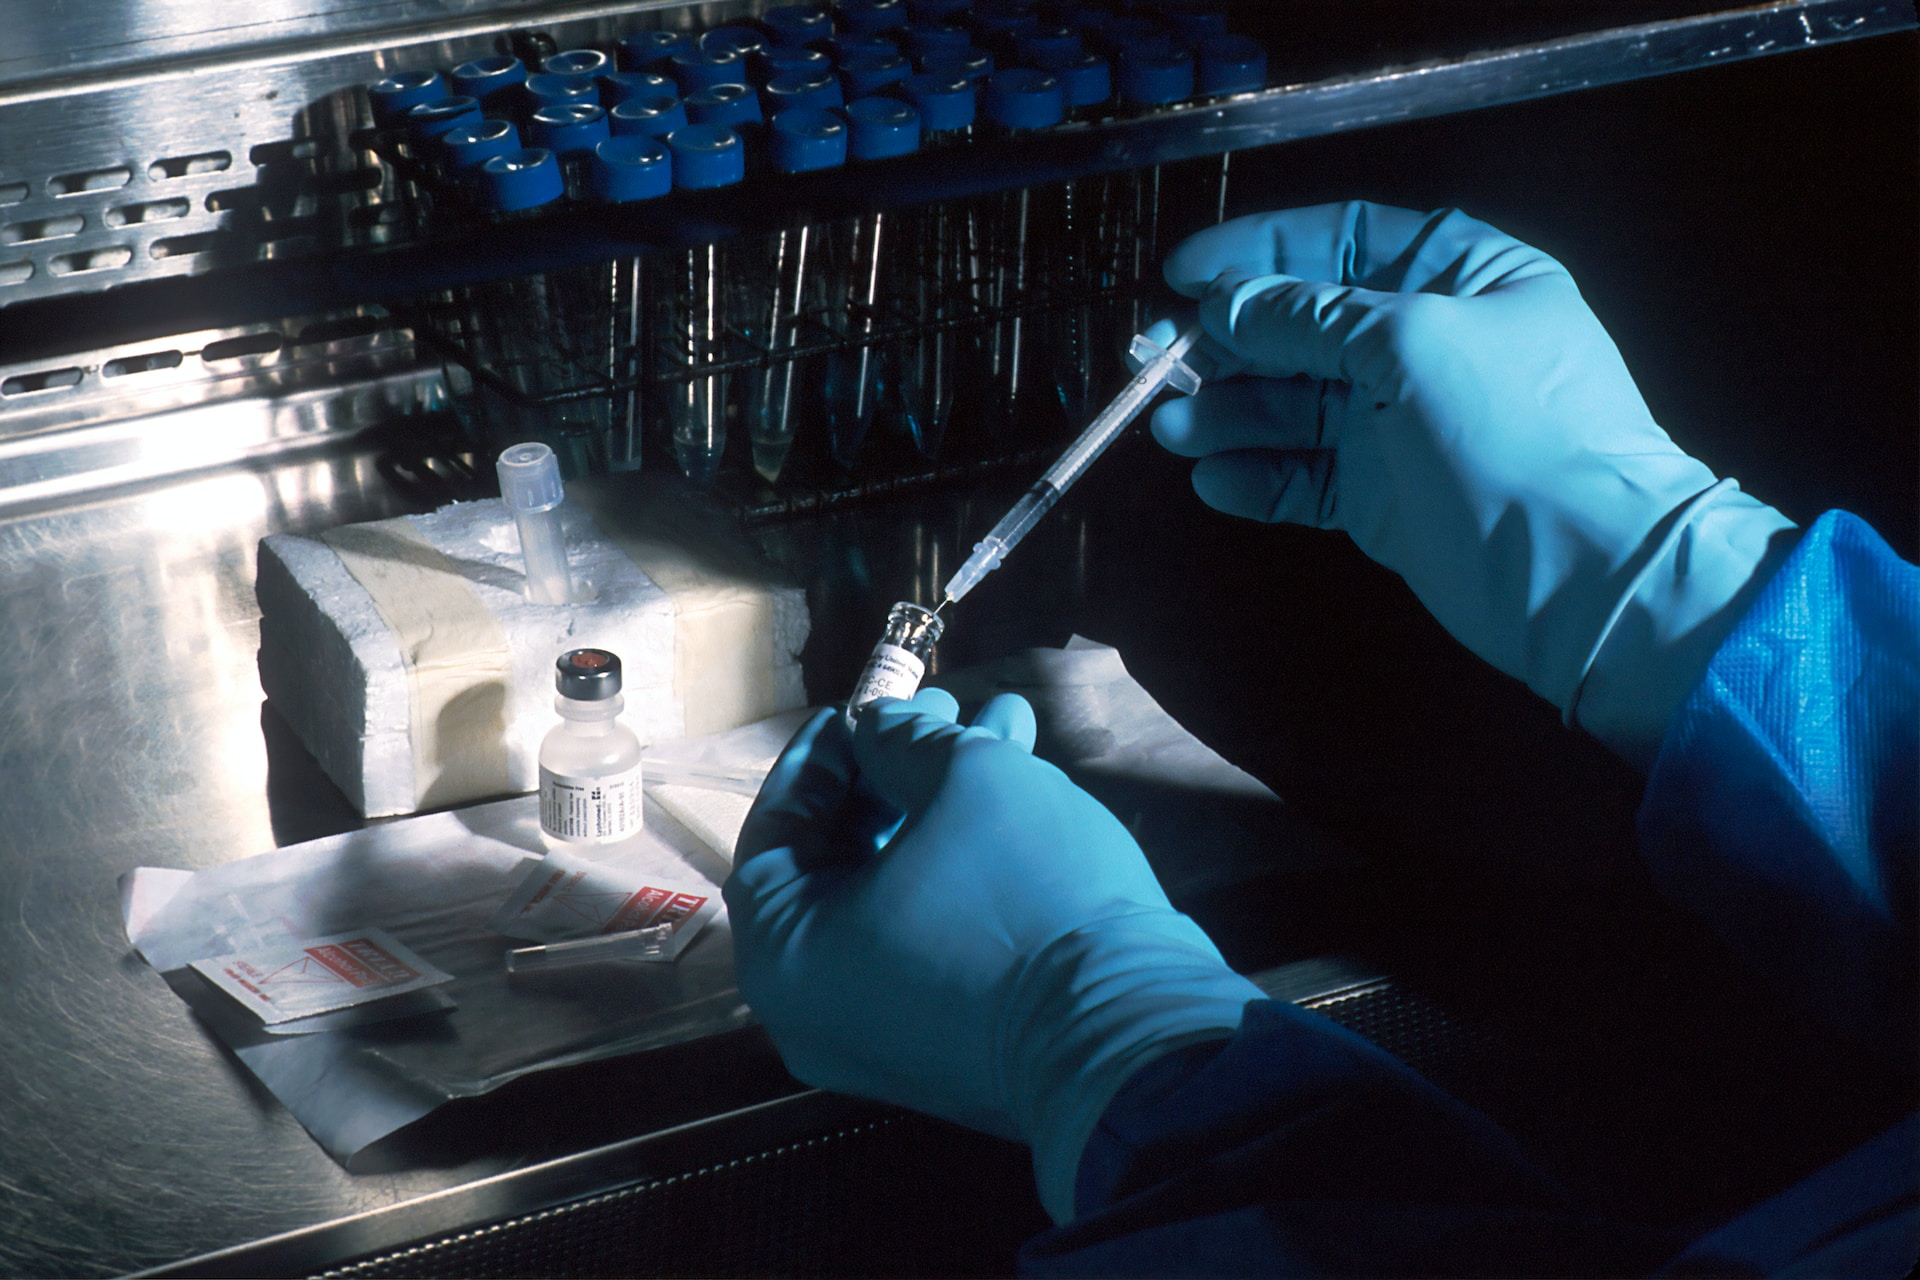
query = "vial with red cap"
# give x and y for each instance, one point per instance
(589, 762)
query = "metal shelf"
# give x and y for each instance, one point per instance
(371, 260)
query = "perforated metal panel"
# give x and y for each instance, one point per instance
(902, 1195)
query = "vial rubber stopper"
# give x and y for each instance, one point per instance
(587, 675)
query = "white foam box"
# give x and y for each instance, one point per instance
(709, 637)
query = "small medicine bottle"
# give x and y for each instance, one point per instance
(589, 762)
(899, 661)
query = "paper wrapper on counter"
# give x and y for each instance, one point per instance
(406, 656)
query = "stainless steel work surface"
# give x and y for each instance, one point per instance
(132, 717)
(135, 734)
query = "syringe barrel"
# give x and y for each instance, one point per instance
(1026, 513)
(1106, 428)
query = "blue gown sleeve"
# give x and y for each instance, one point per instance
(1781, 808)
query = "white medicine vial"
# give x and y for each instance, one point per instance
(589, 762)
(899, 662)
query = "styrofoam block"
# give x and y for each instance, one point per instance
(335, 672)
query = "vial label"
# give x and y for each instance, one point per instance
(892, 672)
(590, 810)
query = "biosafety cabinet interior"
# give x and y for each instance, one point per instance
(241, 296)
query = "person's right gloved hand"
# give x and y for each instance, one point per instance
(1442, 393)
(926, 914)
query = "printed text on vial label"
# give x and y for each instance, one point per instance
(590, 809)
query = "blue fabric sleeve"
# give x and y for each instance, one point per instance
(1782, 806)
(1297, 1148)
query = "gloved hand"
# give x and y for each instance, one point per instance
(930, 916)
(1442, 393)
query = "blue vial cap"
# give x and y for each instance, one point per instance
(577, 127)
(797, 24)
(429, 120)
(698, 69)
(872, 15)
(733, 104)
(1024, 98)
(857, 45)
(743, 40)
(707, 156)
(617, 87)
(1155, 77)
(1000, 24)
(631, 168)
(868, 74)
(484, 77)
(1232, 64)
(521, 179)
(1047, 46)
(947, 37)
(1195, 20)
(559, 91)
(881, 128)
(777, 60)
(575, 64)
(648, 117)
(803, 89)
(1087, 80)
(975, 64)
(472, 144)
(652, 50)
(807, 138)
(1081, 17)
(945, 101)
(394, 96)
(1135, 34)
(937, 10)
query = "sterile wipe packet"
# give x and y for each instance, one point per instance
(564, 896)
(289, 980)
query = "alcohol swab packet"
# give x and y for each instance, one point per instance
(564, 897)
(283, 981)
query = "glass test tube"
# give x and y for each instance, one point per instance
(800, 139)
(694, 297)
(931, 264)
(853, 381)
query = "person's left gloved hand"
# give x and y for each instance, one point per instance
(928, 915)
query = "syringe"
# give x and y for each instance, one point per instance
(1168, 366)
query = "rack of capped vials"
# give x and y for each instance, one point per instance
(904, 342)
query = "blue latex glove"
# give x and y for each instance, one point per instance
(930, 916)
(1441, 392)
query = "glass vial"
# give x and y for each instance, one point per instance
(899, 661)
(589, 762)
